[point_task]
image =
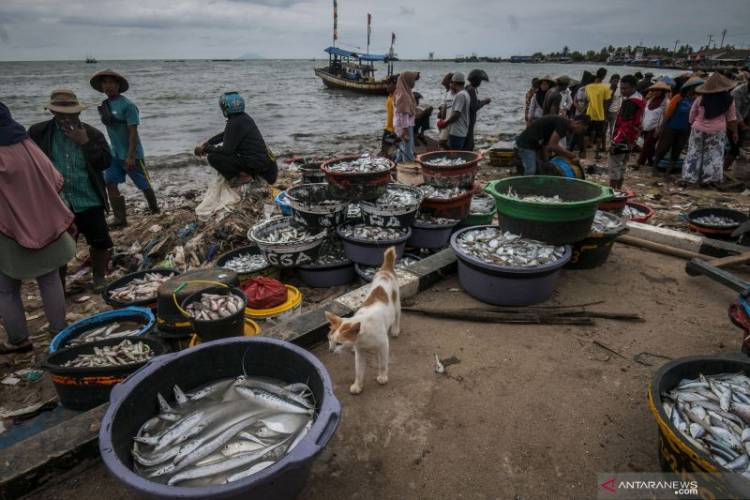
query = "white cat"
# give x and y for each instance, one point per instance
(368, 329)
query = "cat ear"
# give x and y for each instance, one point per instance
(353, 329)
(333, 319)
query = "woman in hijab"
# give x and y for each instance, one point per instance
(536, 107)
(34, 242)
(658, 99)
(712, 115)
(405, 110)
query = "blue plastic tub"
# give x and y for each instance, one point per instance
(283, 203)
(134, 401)
(140, 314)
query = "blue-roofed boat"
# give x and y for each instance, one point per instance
(348, 70)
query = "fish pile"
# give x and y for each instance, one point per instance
(212, 306)
(402, 264)
(109, 331)
(632, 211)
(364, 165)
(494, 246)
(621, 194)
(372, 233)
(222, 432)
(124, 353)
(603, 223)
(331, 252)
(286, 234)
(713, 413)
(428, 220)
(398, 197)
(446, 162)
(246, 263)
(535, 198)
(482, 204)
(353, 212)
(442, 193)
(716, 221)
(144, 288)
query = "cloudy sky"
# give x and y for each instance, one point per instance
(156, 29)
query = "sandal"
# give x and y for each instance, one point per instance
(8, 348)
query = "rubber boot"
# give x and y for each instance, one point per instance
(153, 205)
(99, 262)
(118, 209)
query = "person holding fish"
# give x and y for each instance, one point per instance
(34, 239)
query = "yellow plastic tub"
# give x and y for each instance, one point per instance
(252, 329)
(288, 309)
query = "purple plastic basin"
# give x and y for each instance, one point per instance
(430, 236)
(506, 286)
(327, 276)
(370, 253)
(134, 401)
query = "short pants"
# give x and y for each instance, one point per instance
(617, 165)
(117, 170)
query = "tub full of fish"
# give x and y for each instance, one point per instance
(128, 322)
(482, 210)
(447, 202)
(502, 268)
(617, 204)
(84, 375)
(594, 251)
(332, 268)
(431, 233)
(285, 243)
(367, 273)
(216, 312)
(715, 222)
(702, 409)
(314, 207)
(365, 244)
(137, 289)
(247, 261)
(552, 209)
(449, 168)
(357, 178)
(637, 212)
(396, 208)
(240, 418)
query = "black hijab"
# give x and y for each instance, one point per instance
(11, 132)
(715, 105)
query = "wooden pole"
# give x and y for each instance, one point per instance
(660, 248)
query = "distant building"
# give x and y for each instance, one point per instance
(639, 54)
(520, 59)
(718, 57)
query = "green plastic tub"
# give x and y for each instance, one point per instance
(555, 223)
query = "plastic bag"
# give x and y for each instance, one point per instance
(219, 195)
(264, 292)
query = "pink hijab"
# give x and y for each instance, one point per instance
(31, 211)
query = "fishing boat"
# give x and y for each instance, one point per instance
(354, 71)
(91, 60)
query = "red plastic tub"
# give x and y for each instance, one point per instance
(453, 208)
(617, 204)
(648, 212)
(461, 175)
(356, 185)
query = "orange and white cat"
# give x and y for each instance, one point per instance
(368, 329)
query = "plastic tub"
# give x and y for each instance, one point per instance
(506, 286)
(86, 388)
(356, 186)
(231, 326)
(646, 211)
(374, 214)
(150, 303)
(314, 207)
(250, 249)
(251, 329)
(724, 233)
(285, 255)
(677, 454)
(362, 271)
(430, 236)
(370, 253)
(327, 276)
(617, 204)
(138, 314)
(453, 208)
(554, 223)
(479, 217)
(311, 173)
(282, 201)
(286, 310)
(594, 250)
(501, 156)
(560, 167)
(134, 402)
(461, 175)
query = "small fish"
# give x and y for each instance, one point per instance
(534, 198)
(364, 164)
(139, 289)
(715, 221)
(439, 367)
(494, 246)
(482, 204)
(211, 307)
(246, 263)
(445, 161)
(372, 233)
(124, 353)
(442, 193)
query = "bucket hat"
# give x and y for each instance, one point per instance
(693, 81)
(64, 101)
(563, 79)
(96, 80)
(547, 78)
(458, 77)
(716, 83)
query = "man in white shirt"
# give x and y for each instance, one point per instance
(457, 122)
(614, 104)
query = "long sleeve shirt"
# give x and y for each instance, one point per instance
(628, 122)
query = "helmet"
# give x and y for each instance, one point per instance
(477, 75)
(231, 103)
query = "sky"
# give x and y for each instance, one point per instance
(227, 29)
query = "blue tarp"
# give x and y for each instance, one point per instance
(362, 57)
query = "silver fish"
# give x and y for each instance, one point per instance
(716, 221)
(603, 222)
(212, 306)
(506, 249)
(534, 198)
(482, 204)
(331, 253)
(246, 263)
(402, 264)
(442, 193)
(364, 164)
(112, 330)
(144, 288)
(428, 220)
(398, 196)
(124, 353)
(445, 161)
(632, 211)
(372, 233)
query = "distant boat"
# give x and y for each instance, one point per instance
(91, 60)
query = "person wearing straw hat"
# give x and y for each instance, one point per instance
(81, 154)
(598, 95)
(675, 129)
(656, 105)
(121, 117)
(712, 115)
(536, 107)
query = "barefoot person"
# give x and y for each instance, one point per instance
(80, 152)
(626, 131)
(121, 117)
(239, 153)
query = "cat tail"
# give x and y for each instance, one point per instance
(389, 260)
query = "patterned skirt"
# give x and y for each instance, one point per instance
(704, 161)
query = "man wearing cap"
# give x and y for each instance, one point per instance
(80, 152)
(558, 100)
(457, 122)
(121, 117)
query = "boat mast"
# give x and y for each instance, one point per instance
(369, 32)
(390, 54)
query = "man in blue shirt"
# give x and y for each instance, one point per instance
(121, 118)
